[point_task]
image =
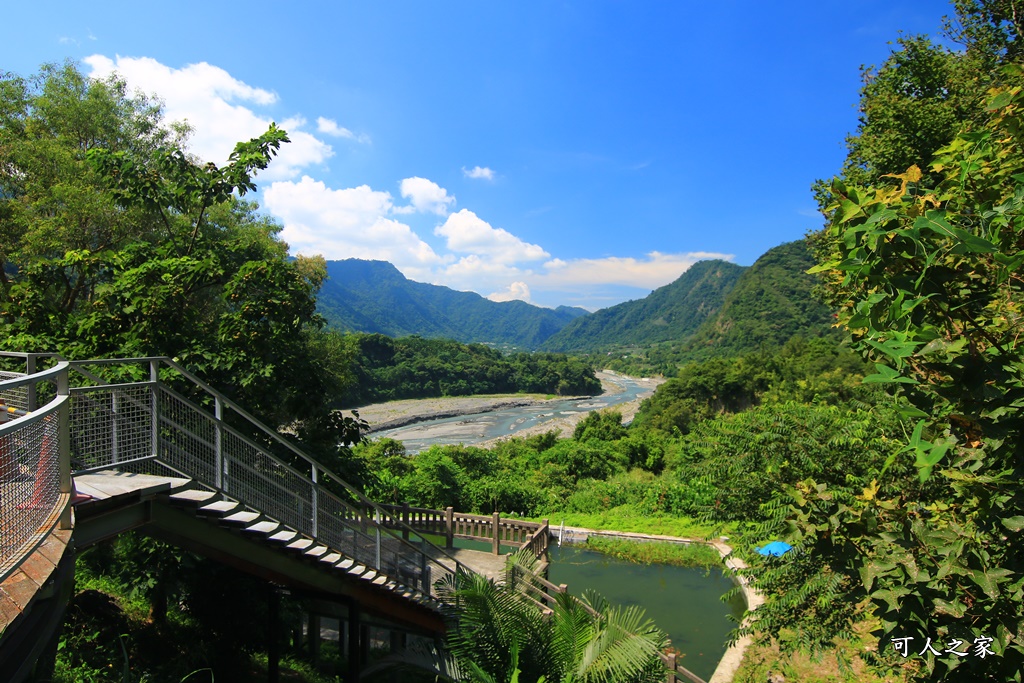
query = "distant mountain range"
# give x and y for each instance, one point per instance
(373, 296)
(714, 308)
(672, 312)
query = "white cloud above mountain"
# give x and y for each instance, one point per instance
(467, 233)
(424, 236)
(218, 107)
(515, 291)
(347, 223)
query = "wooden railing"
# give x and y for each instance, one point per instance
(517, 532)
(450, 524)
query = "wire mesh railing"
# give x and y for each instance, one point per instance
(119, 423)
(34, 469)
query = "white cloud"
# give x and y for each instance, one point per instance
(467, 233)
(424, 196)
(331, 127)
(654, 271)
(481, 172)
(516, 290)
(217, 107)
(348, 223)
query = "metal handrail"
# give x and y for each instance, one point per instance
(319, 491)
(28, 512)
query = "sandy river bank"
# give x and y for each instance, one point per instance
(383, 416)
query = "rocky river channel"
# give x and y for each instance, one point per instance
(480, 421)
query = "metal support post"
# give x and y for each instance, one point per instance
(154, 409)
(273, 637)
(355, 649)
(64, 446)
(315, 500)
(115, 419)
(377, 530)
(30, 369)
(496, 523)
(218, 444)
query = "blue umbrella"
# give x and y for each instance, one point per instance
(775, 549)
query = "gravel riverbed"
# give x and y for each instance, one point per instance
(382, 416)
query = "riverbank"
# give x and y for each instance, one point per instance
(395, 414)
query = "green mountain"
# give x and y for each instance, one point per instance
(672, 312)
(373, 296)
(770, 303)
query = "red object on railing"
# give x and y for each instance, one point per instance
(46, 463)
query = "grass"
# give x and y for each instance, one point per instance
(625, 518)
(644, 552)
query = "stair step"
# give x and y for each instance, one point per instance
(316, 552)
(264, 528)
(243, 518)
(283, 536)
(300, 544)
(193, 498)
(331, 558)
(220, 508)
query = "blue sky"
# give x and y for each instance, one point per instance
(578, 153)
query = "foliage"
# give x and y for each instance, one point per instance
(669, 313)
(681, 555)
(386, 369)
(928, 280)
(498, 631)
(814, 371)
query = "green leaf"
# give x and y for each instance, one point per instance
(887, 375)
(1013, 523)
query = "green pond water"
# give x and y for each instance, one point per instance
(684, 602)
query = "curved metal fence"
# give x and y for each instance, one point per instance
(34, 470)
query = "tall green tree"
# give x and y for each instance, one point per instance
(928, 281)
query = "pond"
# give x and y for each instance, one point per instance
(684, 602)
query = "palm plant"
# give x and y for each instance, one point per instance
(499, 634)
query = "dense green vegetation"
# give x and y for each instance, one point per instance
(374, 297)
(386, 369)
(898, 483)
(672, 312)
(802, 410)
(769, 303)
(691, 555)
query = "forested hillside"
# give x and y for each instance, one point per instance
(373, 296)
(771, 302)
(672, 312)
(386, 369)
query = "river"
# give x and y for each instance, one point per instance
(478, 428)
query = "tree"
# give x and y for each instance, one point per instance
(500, 634)
(928, 281)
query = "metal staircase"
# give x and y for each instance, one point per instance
(151, 416)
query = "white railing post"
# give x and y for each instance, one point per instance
(376, 517)
(64, 446)
(114, 420)
(316, 503)
(218, 445)
(154, 410)
(30, 369)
